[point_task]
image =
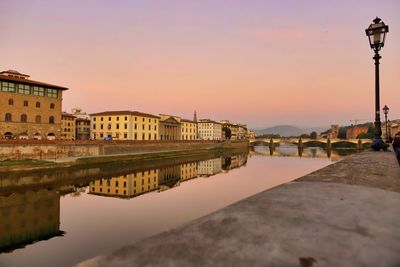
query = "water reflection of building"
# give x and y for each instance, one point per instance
(188, 171)
(128, 185)
(28, 217)
(140, 182)
(209, 167)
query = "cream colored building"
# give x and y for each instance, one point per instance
(124, 125)
(68, 129)
(209, 167)
(188, 130)
(170, 127)
(209, 130)
(29, 109)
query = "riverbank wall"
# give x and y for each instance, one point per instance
(345, 214)
(63, 150)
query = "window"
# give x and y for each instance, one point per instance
(101, 126)
(11, 101)
(109, 118)
(155, 127)
(8, 117)
(38, 119)
(53, 93)
(135, 136)
(135, 118)
(143, 127)
(94, 119)
(51, 119)
(155, 136)
(117, 125)
(143, 119)
(125, 126)
(135, 126)
(149, 127)
(117, 118)
(149, 136)
(37, 90)
(109, 126)
(8, 87)
(143, 136)
(101, 118)
(52, 105)
(38, 104)
(25, 103)
(94, 126)
(24, 89)
(126, 118)
(24, 118)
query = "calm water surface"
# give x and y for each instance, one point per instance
(56, 224)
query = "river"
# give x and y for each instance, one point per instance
(49, 220)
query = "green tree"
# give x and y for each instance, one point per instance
(228, 132)
(313, 135)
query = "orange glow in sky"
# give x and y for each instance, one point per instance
(258, 62)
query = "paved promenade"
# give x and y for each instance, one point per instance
(347, 214)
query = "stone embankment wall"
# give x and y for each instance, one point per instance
(55, 150)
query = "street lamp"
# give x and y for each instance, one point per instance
(386, 111)
(376, 33)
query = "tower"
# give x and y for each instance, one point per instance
(195, 116)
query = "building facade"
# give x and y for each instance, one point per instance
(82, 129)
(188, 130)
(170, 127)
(352, 133)
(29, 109)
(68, 129)
(209, 130)
(124, 125)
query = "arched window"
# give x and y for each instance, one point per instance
(24, 118)
(38, 119)
(8, 117)
(11, 101)
(38, 104)
(51, 119)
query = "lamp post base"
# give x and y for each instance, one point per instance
(378, 144)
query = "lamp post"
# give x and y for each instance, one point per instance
(386, 111)
(376, 33)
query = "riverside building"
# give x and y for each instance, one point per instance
(68, 129)
(29, 109)
(209, 130)
(188, 130)
(124, 125)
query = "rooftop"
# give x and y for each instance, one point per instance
(15, 76)
(124, 112)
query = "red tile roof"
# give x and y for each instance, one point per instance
(124, 112)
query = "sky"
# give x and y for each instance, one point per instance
(264, 63)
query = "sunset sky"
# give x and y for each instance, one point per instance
(263, 63)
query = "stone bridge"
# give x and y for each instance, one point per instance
(301, 141)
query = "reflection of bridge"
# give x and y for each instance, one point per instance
(299, 153)
(301, 141)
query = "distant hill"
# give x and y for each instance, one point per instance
(289, 130)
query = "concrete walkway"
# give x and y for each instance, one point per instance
(347, 214)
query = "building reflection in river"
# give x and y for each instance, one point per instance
(161, 179)
(29, 217)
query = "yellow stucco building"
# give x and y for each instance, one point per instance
(68, 128)
(124, 125)
(188, 130)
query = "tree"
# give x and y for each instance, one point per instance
(313, 135)
(228, 132)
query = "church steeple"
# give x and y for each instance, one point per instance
(195, 116)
